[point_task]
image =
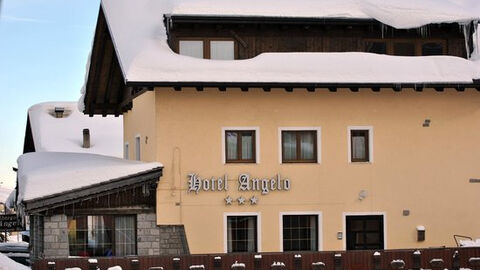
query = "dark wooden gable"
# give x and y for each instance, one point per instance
(28, 143)
(105, 87)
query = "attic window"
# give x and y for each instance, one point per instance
(59, 112)
(208, 48)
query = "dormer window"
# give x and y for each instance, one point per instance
(218, 49)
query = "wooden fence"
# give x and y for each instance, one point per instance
(432, 258)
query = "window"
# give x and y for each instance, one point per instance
(376, 47)
(299, 146)
(137, 148)
(242, 234)
(126, 151)
(432, 48)
(364, 232)
(360, 144)
(404, 49)
(222, 50)
(240, 146)
(300, 232)
(218, 49)
(193, 48)
(102, 235)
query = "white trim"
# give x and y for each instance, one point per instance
(126, 150)
(320, 226)
(345, 214)
(257, 142)
(319, 141)
(370, 142)
(259, 228)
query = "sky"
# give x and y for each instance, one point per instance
(44, 47)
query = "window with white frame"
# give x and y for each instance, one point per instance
(360, 144)
(299, 144)
(222, 49)
(242, 233)
(208, 48)
(300, 232)
(193, 48)
(126, 151)
(240, 144)
(137, 148)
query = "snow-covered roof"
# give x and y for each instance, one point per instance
(43, 174)
(149, 58)
(4, 193)
(8, 264)
(51, 134)
(396, 13)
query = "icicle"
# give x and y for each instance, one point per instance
(424, 31)
(384, 29)
(466, 31)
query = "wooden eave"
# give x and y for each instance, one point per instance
(150, 177)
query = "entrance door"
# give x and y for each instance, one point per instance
(364, 232)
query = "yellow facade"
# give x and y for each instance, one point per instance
(425, 170)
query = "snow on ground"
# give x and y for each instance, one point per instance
(8, 264)
(46, 173)
(66, 134)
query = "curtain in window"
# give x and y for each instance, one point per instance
(247, 147)
(313, 233)
(306, 145)
(358, 147)
(192, 48)
(289, 146)
(222, 50)
(252, 227)
(231, 145)
(124, 235)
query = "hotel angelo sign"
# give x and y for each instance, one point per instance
(245, 183)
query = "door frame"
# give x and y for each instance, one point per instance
(345, 214)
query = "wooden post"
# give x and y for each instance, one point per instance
(456, 261)
(437, 264)
(297, 261)
(217, 263)
(86, 138)
(417, 260)
(176, 263)
(277, 266)
(397, 264)
(474, 263)
(92, 264)
(238, 266)
(135, 264)
(51, 265)
(377, 262)
(337, 260)
(197, 267)
(318, 266)
(257, 262)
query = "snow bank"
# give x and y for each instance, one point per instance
(149, 59)
(396, 13)
(46, 173)
(65, 134)
(9, 264)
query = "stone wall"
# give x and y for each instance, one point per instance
(159, 240)
(55, 236)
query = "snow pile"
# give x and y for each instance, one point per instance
(469, 243)
(66, 134)
(9, 264)
(4, 193)
(10, 201)
(149, 58)
(47, 173)
(396, 13)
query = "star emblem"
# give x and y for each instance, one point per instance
(228, 200)
(241, 200)
(253, 200)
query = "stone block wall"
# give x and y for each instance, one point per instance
(55, 236)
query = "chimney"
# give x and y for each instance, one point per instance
(59, 112)
(86, 138)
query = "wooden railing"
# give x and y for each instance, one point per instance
(432, 258)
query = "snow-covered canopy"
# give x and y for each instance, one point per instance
(149, 58)
(51, 134)
(396, 13)
(8, 264)
(43, 174)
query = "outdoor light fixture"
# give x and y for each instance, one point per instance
(362, 194)
(426, 123)
(339, 235)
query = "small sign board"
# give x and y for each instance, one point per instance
(10, 223)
